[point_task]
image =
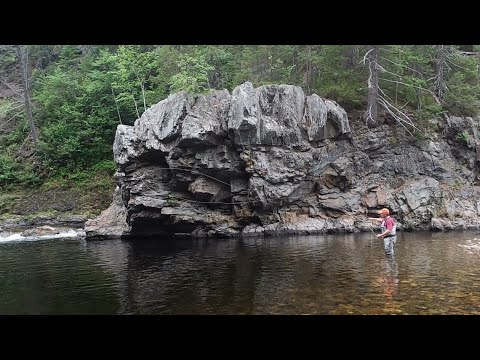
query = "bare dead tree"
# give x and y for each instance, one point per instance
(142, 86)
(308, 69)
(371, 57)
(439, 84)
(23, 52)
(376, 96)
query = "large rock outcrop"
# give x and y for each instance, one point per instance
(272, 160)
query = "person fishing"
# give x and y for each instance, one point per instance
(389, 230)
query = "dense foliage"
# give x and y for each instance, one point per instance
(81, 93)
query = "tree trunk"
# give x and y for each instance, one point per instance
(308, 70)
(24, 70)
(440, 72)
(372, 107)
(354, 55)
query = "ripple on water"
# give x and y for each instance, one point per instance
(430, 274)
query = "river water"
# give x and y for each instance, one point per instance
(431, 273)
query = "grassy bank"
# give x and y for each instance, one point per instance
(85, 194)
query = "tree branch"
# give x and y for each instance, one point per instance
(417, 87)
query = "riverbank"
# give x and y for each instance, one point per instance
(56, 203)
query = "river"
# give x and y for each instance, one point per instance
(431, 273)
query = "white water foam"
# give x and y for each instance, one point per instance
(17, 237)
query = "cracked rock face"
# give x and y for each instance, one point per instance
(271, 160)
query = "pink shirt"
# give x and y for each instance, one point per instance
(389, 223)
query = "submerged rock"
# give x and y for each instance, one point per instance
(41, 231)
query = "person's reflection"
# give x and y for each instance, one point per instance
(391, 277)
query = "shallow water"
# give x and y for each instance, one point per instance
(431, 273)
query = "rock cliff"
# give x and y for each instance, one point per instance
(271, 160)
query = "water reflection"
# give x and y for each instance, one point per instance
(329, 274)
(53, 277)
(324, 274)
(390, 282)
(391, 277)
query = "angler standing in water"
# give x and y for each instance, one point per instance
(389, 230)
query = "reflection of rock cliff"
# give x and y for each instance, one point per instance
(272, 160)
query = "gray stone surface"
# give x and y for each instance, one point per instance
(271, 160)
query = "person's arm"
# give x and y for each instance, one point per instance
(385, 233)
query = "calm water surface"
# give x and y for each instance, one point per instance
(431, 273)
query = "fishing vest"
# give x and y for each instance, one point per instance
(394, 228)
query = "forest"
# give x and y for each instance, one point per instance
(60, 104)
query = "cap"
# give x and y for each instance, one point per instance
(384, 211)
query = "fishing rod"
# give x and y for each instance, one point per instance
(371, 229)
